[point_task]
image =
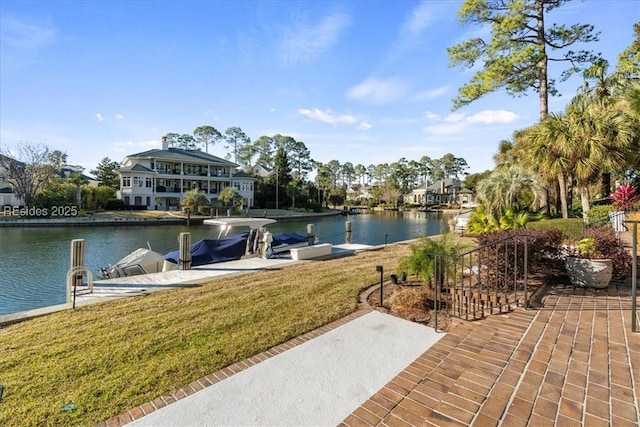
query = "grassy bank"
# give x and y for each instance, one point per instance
(110, 357)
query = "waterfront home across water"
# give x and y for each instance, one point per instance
(158, 179)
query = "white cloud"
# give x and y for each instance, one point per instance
(454, 117)
(99, 117)
(327, 116)
(431, 116)
(458, 122)
(419, 19)
(131, 147)
(493, 116)
(377, 91)
(364, 126)
(119, 117)
(432, 94)
(25, 35)
(304, 43)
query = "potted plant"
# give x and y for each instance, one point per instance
(596, 258)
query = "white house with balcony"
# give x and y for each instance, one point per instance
(158, 178)
(8, 194)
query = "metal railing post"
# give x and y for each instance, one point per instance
(526, 273)
(634, 278)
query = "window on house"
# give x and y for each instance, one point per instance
(126, 181)
(148, 182)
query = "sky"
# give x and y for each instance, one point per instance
(365, 82)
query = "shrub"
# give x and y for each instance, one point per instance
(413, 303)
(422, 261)
(544, 250)
(114, 205)
(625, 197)
(194, 199)
(599, 215)
(608, 246)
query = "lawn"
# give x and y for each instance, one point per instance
(110, 357)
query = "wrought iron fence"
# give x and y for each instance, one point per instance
(489, 279)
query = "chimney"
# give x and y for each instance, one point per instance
(165, 143)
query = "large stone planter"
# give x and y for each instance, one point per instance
(589, 273)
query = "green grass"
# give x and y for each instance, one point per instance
(110, 357)
(571, 228)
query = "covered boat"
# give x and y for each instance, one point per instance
(140, 261)
(285, 241)
(209, 251)
(225, 247)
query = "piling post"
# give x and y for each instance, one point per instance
(77, 258)
(311, 234)
(347, 232)
(184, 240)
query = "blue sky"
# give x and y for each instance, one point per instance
(365, 82)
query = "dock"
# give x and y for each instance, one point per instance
(131, 286)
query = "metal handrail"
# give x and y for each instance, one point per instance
(483, 280)
(634, 273)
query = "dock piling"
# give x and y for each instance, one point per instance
(184, 240)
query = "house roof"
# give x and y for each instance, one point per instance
(136, 168)
(11, 160)
(66, 172)
(241, 174)
(179, 155)
(448, 182)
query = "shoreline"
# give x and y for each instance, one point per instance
(90, 221)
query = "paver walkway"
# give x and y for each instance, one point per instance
(574, 362)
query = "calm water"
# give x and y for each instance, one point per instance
(34, 261)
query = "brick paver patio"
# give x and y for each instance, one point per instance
(573, 362)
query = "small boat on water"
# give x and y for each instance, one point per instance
(225, 247)
(140, 261)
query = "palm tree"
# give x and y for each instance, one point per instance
(504, 158)
(79, 180)
(600, 136)
(501, 190)
(541, 147)
(603, 90)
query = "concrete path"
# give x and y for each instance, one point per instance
(317, 383)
